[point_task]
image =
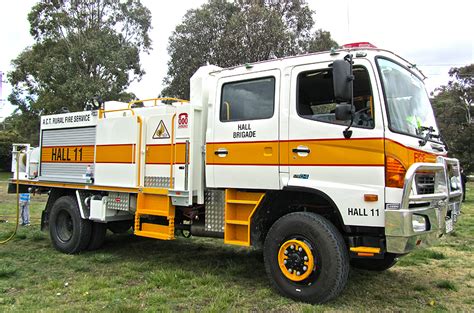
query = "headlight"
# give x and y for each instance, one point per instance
(419, 223)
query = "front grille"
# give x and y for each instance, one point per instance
(425, 183)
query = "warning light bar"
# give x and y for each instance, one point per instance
(363, 44)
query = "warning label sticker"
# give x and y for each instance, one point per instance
(161, 132)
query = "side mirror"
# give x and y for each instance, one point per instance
(343, 112)
(342, 79)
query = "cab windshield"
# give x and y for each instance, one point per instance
(408, 105)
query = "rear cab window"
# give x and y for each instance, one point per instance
(248, 100)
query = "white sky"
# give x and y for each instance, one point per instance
(435, 35)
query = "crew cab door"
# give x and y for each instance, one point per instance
(244, 149)
(321, 158)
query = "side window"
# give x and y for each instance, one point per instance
(248, 100)
(315, 97)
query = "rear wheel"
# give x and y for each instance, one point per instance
(69, 232)
(377, 265)
(98, 236)
(306, 258)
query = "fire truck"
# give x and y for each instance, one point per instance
(323, 161)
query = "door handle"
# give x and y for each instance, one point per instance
(221, 151)
(301, 149)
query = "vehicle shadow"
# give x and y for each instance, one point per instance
(242, 266)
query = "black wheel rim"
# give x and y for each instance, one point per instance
(64, 226)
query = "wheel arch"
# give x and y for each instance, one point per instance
(54, 194)
(292, 199)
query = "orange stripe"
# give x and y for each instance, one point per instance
(324, 152)
(361, 152)
(120, 153)
(327, 152)
(244, 153)
(67, 154)
(161, 154)
(407, 155)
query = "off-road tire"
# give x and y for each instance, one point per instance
(98, 236)
(120, 227)
(68, 231)
(331, 257)
(377, 265)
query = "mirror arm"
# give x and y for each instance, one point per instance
(348, 133)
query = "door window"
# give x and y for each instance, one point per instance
(316, 101)
(248, 100)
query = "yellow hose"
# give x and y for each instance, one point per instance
(17, 199)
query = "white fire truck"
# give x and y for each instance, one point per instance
(324, 160)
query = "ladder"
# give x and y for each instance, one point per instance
(155, 214)
(239, 208)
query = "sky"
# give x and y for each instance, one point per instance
(435, 35)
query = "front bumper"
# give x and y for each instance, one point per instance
(439, 210)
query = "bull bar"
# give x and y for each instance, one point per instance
(437, 209)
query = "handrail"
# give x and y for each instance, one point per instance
(455, 164)
(155, 100)
(102, 112)
(172, 150)
(139, 149)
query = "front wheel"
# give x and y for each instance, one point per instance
(306, 258)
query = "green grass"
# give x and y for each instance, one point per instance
(7, 270)
(421, 257)
(131, 274)
(4, 176)
(446, 284)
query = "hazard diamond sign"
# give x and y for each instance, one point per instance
(161, 132)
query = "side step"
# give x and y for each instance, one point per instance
(156, 207)
(239, 208)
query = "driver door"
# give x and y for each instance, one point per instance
(319, 155)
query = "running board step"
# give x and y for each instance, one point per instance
(239, 208)
(154, 204)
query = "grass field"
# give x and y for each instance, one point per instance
(131, 274)
(5, 176)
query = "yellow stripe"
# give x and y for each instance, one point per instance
(161, 154)
(244, 153)
(115, 154)
(67, 154)
(362, 249)
(359, 152)
(407, 156)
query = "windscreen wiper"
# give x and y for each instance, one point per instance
(430, 130)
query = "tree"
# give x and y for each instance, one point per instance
(321, 41)
(228, 34)
(453, 106)
(82, 49)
